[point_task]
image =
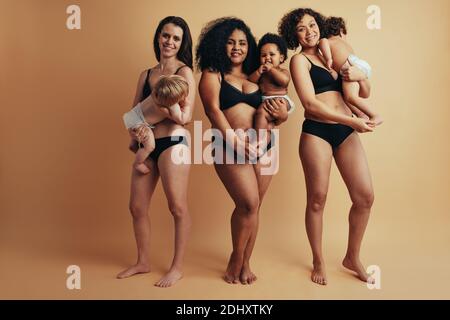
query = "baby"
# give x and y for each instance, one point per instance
(338, 54)
(272, 79)
(168, 97)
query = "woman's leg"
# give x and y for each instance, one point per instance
(316, 155)
(174, 178)
(242, 186)
(142, 188)
(352, 163)
(247, 276)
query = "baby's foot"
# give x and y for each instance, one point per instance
(142, 168)
(131, 271)
(356, 266)
(169, 279)
(377, 119)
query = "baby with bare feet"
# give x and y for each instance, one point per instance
(339, 55)
(168, 95)
(273, 81)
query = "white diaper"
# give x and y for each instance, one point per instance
(291, 105)
(135, 118)
(361, 64)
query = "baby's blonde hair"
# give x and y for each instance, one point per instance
(170, 90)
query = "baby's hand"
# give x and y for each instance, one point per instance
(165, 111)
(268, 66)
(182, 103)
(262, 69)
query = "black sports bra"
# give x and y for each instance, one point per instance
(230, 96)
(322, 80)
(147, 90)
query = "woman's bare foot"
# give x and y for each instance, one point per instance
(247, 276)
(377, 119)
(318, 274)
(170, 278)
(356, 266)
(233, 269)
(136, 269)
(142, 168)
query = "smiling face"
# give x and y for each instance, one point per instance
(170, 40)
(308, 33)
(271, 54)
(237, 47)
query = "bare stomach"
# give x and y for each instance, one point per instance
(334, 101)
(240, 116)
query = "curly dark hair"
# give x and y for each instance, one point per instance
(334, 26)
(185, 52)
(211, 53)
(275, 39)
(288, 24)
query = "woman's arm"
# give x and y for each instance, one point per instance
(140, 88)
(303, 85)
(139, 133)
(189, 101)
(209, 89)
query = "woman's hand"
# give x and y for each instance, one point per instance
(139, 133)
(277, 108)
(362, 125)
(242, 144)
(352, 73)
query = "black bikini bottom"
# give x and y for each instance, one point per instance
(333, 133)
(161, 144)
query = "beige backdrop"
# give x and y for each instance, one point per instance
(65, 167)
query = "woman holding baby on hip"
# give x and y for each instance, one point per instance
(231, 92)
(163, 103)
(330, 130)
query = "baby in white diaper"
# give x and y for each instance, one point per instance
(169, 96)
(273, 81)
(339, 54)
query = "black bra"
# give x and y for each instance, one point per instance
(322, 80)
(230, 96)
(147, 91)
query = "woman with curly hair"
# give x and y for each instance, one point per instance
(173, 49)
(328, 132)
(227, 55)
